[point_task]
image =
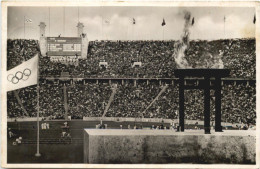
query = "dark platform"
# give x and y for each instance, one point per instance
(202, 72)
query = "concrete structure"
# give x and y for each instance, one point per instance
(80, 29)
(42, 29)
(43, 40)
(205, 85)
(84, 44)
(83, 36)
(105, 146)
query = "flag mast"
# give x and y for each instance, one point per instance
(225, 26)
(24, 27)
(163, 32)
(38, 109)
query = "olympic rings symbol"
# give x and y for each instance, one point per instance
(19, 76)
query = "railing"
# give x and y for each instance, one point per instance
(135, 78)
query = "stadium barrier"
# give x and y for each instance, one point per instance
(23, 119)
(122, 119)
(125, 146)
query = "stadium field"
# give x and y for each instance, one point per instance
(51, 148)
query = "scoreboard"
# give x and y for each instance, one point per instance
(64, 46)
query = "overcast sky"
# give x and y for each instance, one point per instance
(209, 22)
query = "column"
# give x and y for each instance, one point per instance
(43, 40)
(218, 127)
(181, 103)
(207, 105)
(80, 29)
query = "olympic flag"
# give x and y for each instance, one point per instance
(23, 75)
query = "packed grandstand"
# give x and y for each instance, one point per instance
(89, 98)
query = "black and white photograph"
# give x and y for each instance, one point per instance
(127, 84)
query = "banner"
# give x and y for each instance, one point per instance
(23, 75)
(27, 20)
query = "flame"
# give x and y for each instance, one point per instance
(181, 46)
(218, 63)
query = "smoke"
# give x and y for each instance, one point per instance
(182, 45)
(218, 63)
(209, 61)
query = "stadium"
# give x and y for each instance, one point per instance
(128, 85)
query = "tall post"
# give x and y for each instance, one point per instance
(181, 103)
(24, 27)
(65, 102)
(38, 109)
(207, 105)
(49, 22)
(63, 21)
(218, 127)
(163, 32)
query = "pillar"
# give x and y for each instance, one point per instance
(43, 40)
(218, 127)
(42, 29)
(84, 46)
(181, 103)
(80, 29)
(207, 105)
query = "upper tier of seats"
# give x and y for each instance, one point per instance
(156, 57)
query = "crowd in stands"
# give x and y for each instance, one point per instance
(87, 100)
(20, 50)
(90, 99)
(51, 101)
(157, 59)
(27, 97)
(241, 103)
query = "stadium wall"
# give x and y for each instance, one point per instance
(166, 146)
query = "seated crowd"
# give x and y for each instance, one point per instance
(237, 55)
(157, 59)
(20, 50)
(90, 100)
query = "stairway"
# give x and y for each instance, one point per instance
(156, 98)
(110, 100)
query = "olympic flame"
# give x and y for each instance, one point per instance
(182, 45)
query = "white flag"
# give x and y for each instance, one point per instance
(106, 22)
(27, 20)
(23, 75)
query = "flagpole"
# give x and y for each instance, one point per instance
(49, 22)
(78, 14)
(134, 32)
(63, 21)
(163, 32)
(224, 27)
(102, 23)
(38, 110)
(133, 24)
(24, 27)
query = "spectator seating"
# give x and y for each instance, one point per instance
(90, 99)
